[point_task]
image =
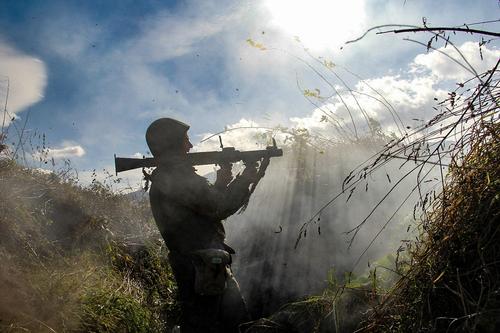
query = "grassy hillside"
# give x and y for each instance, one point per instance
(78, 259)
(452, 278)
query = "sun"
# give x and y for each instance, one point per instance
(319, 24)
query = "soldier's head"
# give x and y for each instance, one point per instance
(167, 136)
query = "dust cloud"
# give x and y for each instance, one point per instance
(271, 267)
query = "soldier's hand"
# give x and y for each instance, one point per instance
(224, 174)
(250, 171)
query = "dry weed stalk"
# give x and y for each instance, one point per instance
(451, 279)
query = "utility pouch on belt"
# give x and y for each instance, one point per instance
(211, 270)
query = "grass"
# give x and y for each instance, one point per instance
(452, 278)
(79, 259)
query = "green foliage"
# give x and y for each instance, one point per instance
(116, 311)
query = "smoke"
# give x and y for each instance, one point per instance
(271, 266)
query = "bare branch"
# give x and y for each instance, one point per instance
(430, 29)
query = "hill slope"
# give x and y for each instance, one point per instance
(78, 259)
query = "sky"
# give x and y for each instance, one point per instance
(92, 75)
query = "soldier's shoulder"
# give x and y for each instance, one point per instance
(160, 176)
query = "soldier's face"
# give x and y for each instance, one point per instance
(186, 144)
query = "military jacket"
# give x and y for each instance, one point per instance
(189, 210)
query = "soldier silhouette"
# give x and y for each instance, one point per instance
(188, 211)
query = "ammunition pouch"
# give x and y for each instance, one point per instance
(211, 271)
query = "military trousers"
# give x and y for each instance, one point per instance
(207, 314)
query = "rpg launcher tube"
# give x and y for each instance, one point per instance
(227, 155)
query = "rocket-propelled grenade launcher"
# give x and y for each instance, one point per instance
(226, 155)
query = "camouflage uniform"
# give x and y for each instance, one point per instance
(188, 211)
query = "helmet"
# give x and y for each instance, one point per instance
(165, 135)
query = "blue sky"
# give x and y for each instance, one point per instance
(92, 75)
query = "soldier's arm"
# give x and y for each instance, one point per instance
(217, 202)
(237, 193)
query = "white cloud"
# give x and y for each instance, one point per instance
(446, 69)
(401, 92)
(314, 121)
(407, 98)
(26, 77)
(65, 152)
